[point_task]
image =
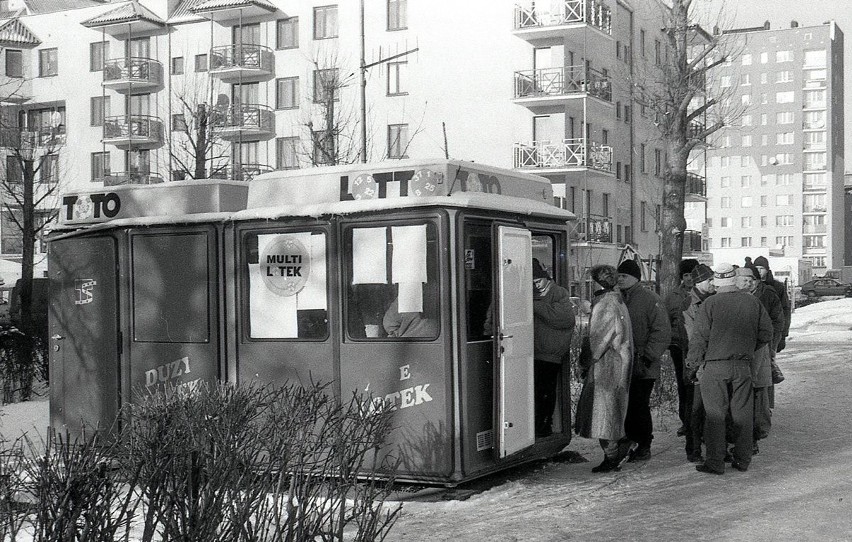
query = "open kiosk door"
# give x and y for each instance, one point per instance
(515, 391)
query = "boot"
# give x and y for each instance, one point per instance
(608, 465)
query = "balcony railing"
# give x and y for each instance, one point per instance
(17, 138)
(695, 129)
(695, 186)
(814, 228)
(594, 229)
(242, 172)
(130, 177)
(565, 81)
(242, 61)
(244, 122)
(564, 12)
(692, 241)
(814, 208)
(565, 154)
(142, 131)
(133, 74)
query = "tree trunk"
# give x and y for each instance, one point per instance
(201, 123)
(28, 249)
(673, 223)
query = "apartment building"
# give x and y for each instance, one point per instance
(776, 176)
(116, 92)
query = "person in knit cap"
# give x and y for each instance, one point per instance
(676, 302)
(651, 337)
(702, 278)
(729, 328)
(762, 265)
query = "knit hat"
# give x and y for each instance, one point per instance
(724, 276)
(701, 273)
(630, 267)
(538, 270)
(687, 265)
(605, 275)
(760, 261)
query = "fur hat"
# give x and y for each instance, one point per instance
(605, 275)
(743, 272)
(725, 275)
(760, 261)
(538, 270)
(701, 273)
(687, 265)
(630, 267)
(755, 272)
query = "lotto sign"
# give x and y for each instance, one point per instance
(425, 183)
(285, 266)
(364, 187)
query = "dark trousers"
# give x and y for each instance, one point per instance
(726, 388)
(638, 425)
(683, 402)
(695, 427)
(546, 377)
(762, 413)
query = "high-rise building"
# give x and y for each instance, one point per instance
(169, 90)
(776, 175)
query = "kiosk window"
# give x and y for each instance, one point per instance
(392, 281)
(171, 296)
(287, 286)
(478, 272)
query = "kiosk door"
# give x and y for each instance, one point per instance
(84, 356)
(515, 401)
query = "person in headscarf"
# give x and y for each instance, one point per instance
(604, 399)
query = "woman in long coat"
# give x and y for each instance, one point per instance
(603, 402)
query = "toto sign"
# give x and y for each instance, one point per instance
(285, 265)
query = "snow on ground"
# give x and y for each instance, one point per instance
(798, 488)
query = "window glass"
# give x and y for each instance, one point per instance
(287, 93)
(48, 62)
(392, 281)
(287, 33)
(287, 285)
(478, 278)
(98, 53)
(397, 14)
(286, 152)
(325, 22)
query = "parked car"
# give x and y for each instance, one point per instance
(826, 287)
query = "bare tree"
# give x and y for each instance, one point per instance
(688, 108)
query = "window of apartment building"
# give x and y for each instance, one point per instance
(324, 148)
(14, 63)
(287, 33)
(725, 182)
(137, 161)
(785, 117)
(49, 168)
(618, 49)
(397, 14)
(817, 261)
(815, 161)
(725, 81)
(725, 141)
(746, 120)
(784, 138)
(618, 110)
(177, 65)
(763, 119)
(725, 161)
(98, 55)
(246, 34)
(48, 62)
(287, 153)
(764, 140)
(764, 57)
(786, 97)
(764, 202)
(13, 170)
(812, 120)
(814, 98)
(618, 171)
(783, 56)
(658, 162)
(763, 241)
(784, 179)
(627, 173)
(725, 202)
(815, 59)
(724, 222)
(781, 240)
(745, 241)
(100, 166)
(99, 110)
(745, 161)
(764, 221)
(201, 63)
(397, 140)
(726, 242)
(605, 204)
(642, 42)
(763, 78)
(746, 58)
(784, 158)
(784, 76)
(746, 140)
(325, 22)
(813, 241)
(767, 179)
(814, 179)
(326, 85)
(746, 99)
(179, 123)
(745, 202)
(763, 98)
(745, 80)
(287, 93)
(642, 166)
(813, 77)
(784, 220)
(813, 203)
(782, 200)
(745, 181)
(397, 78)
(658, 53)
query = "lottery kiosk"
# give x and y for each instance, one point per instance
(409, 282)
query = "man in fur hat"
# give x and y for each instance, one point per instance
(762, 265)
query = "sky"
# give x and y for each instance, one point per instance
(779, 13)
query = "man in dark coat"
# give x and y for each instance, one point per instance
(676, 302)
(762, 265)
(730, 327)
(651, 337)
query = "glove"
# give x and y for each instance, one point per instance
(781, 345)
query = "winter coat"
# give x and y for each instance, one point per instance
(408, 324)
(781, 290)
(603, 402)
(696, 298)
(553, 323)
(651, 330)
(676, 302)
(729, 325)
(761, 366)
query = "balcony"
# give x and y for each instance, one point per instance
(134, 74)
(130, 177)
(593, 229)
(245, 122)
(692, 242)
(695, 129)
(242, 62)
(551, 86)
(136, 131)
(814, 228)
(16, 138)
(564, 156)
(808, 208)
(696, 187)
(535, 21)
(242, 172)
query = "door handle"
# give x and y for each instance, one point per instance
(57, 337)
(505, 336)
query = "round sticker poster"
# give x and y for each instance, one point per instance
(364, 187)
(285, 265)
(425, 183)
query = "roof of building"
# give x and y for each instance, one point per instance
(213, 5)
(126, 13)
(14, 32)
(35, 7)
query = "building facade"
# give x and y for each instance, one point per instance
(170, 90)
(776, 175)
